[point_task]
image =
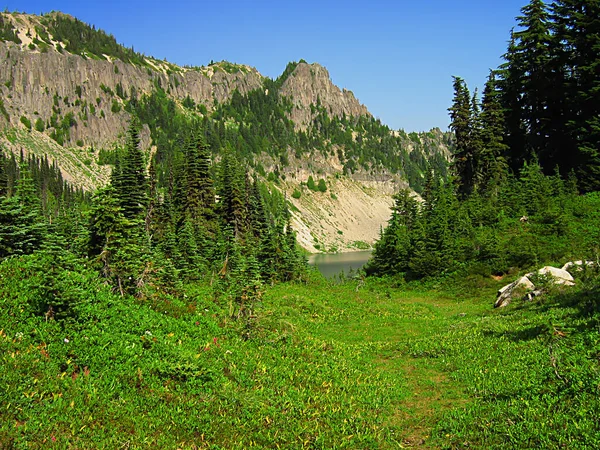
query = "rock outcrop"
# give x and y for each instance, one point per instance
(515, 289)
(524, 287)
(39, 85)
(310, 84)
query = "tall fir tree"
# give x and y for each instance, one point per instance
(464, 157)
(130, 180)
(577, 32)
(492, 164)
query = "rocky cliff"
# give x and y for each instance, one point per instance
(70, 105)
(309, 85)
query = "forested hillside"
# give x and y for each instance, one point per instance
(525, 170)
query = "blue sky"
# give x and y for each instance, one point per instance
(398, 57)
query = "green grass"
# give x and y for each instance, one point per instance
(357, 365)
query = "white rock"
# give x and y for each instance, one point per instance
(578, 265)
(559, 276)
(505, 293)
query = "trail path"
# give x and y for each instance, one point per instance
(393, 324)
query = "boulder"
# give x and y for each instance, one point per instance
(577, 266)
(559, 276)
(512, 290)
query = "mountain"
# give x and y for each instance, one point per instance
(69, 91)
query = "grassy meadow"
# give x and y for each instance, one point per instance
(318, 365)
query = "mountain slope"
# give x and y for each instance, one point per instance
(64, 84)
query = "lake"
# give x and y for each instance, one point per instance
(332, 264)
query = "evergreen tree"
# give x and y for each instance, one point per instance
(464, 158)
(21, 226)
(511, 86)
(491, 157)
(232, 206)
(534, 50)
(200, 195)
(577, 31)
(129, 180)
(393, 251)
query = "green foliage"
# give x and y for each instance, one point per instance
(297, 194)
(39, 125)
(115, 107)
(3, 111)
(521, 224)
(25, 121)
(322, 185)
(82, 39)
(549, 90)
(7, 30)
(62, 130)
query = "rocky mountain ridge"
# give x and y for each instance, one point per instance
(69, 103)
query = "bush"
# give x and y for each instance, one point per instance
(297, 194)
(39, 125)
(115, 107)
(25, 121)
(322, 186)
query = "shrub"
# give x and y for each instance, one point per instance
(296, 194)
(322, 186)
(115, 107)
(25, 121)
(39, 125)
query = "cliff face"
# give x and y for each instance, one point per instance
(67, 106)
(309, 85)
(39, 85)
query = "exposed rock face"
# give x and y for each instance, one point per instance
(310, 84)
(32, 83)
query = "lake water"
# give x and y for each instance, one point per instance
(333, 264)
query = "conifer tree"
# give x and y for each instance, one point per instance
(464, 158)
(394, 249)
(21, 226)
(200, 195)
(130, 181)
(511, 85)
(491, 157)
(232, 206)
(577, 31)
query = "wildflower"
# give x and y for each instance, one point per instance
(66, 341)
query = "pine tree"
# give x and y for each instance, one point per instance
(129, 180)
(491, 157)
(577, 31)
(511, 86)
(395, 248)
(21, 225)
(464, 158)
(199, 184)
(232, 206)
